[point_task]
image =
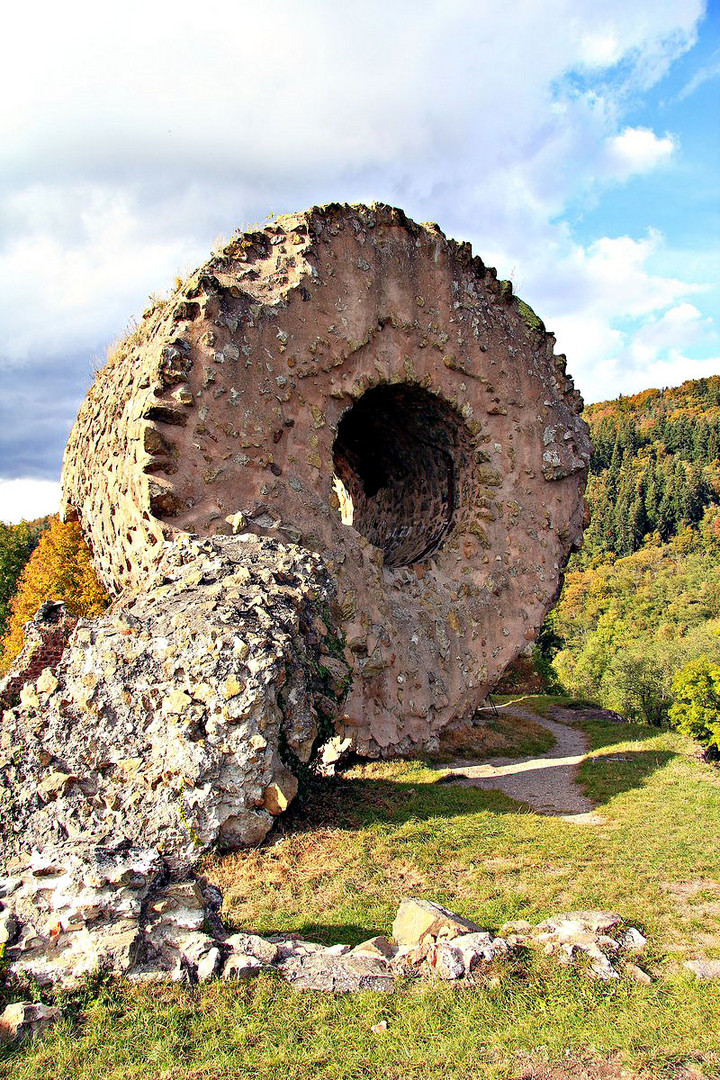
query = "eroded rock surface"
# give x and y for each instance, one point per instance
(74, 910)
(354, 382)
(25, 1020)
(183, 718)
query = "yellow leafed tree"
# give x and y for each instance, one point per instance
(60, 568)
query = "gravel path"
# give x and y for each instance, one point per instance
(548, 784)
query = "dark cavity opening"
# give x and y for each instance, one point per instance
(396, 457)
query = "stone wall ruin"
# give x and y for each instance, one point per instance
(333, 481)
(353, 382)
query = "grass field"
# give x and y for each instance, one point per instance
(388, 830)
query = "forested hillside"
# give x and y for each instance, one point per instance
(655, 465)
(641, 601)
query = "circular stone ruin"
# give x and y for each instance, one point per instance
(354, 383)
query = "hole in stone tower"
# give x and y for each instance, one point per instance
(396, 458)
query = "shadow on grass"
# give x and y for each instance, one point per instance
(354, 803)
(607, 775)
(357, 803)
(340, 933)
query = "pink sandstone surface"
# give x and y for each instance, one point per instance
(354, 383)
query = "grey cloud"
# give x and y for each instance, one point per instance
(38, 408)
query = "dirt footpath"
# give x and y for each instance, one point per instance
(548, 784)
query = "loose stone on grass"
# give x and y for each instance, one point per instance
(26, 1020)
(76, 910)
(704, 969)
(419, 920)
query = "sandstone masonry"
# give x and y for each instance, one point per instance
(353, 383)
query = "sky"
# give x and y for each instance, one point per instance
(575, 143)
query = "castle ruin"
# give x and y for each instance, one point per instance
(333, 482)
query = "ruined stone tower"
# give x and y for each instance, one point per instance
(349, 381)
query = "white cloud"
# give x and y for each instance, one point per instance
(85, 283)
(600, 48)
(677, 329)
(141, 133)
(704, 74)
(24, 499)
(637, 150)
(616, 319)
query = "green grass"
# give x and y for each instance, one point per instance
(387, 830)
(264, 1029)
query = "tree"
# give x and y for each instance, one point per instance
(635, 684)
(17, 543)
(60, 568)
(696, 709)
(638, 522)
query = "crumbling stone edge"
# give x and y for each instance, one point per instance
(73, 911)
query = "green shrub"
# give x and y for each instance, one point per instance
(696, 709)
(636, 684)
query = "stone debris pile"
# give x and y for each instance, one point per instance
(75, 911)
(598, 936)
(186, 716)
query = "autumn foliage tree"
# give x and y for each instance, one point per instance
(60, 568)
(17, 543)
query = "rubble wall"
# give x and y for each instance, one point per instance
(349, 381)
(187, 717)
(46, 636)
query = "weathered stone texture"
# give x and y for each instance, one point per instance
(25, 1020)
(184, 718)
(358, 384)
(76, 909)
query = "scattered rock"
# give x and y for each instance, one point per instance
(8, 927)
(335, 751)
(339, 974)
(480, 948)
(637, 973)
(26, 1020)
(446, 961)
(573, 934)
(632, 940)
(209, 964)
(572, 922)
(420, 920)
(77, 909)
(377, 946)
(241, 967)
(704, 969)
(281, 792)
(255, 946)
